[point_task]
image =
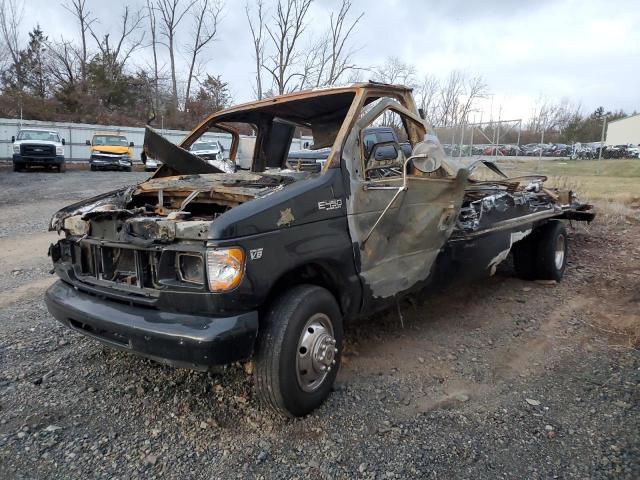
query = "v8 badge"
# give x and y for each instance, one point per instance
(255, 254)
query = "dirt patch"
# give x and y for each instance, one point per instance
(499, 378)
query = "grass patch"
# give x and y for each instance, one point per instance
(612, 181)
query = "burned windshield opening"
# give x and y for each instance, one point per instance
(267, 132)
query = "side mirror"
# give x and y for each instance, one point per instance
(13, 138)
(88, 142)
(131, 144)
(424, 157)
(384, 151)
(63, 142)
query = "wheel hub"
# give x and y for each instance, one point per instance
(559, 253)
(316, 354)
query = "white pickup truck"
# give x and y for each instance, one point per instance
(38, 147)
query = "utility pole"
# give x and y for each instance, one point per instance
(604, 127)
(540, 150)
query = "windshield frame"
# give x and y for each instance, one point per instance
(121, 138)
(55, 136)
(211, 145)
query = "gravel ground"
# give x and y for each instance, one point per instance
(498, 379)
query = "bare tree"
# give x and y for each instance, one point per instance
(284, 34)
(257, 31)
(475, 89)
(151, 15)
(426, 95)
(206, 20)
(172, 13)
(129, 41)
(340, 59)
(83, 15)
(548, 115)
(11, 14)
(450, 98)
(395, 70)
(64, 71)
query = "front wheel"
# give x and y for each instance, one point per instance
(298, 352)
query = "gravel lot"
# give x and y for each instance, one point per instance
(498, 379)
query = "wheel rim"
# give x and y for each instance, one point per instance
(316, 352)
(559, 256)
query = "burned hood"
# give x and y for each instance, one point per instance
(115, 200)
(180, 160)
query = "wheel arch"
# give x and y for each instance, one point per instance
(323, 273)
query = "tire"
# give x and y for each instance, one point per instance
(62, 168)
(524, 258)
(543, 254)
(552, 251)
(93, 168)
(17, 166)
(128, 169)
(295, 329)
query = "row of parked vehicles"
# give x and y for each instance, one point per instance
(36, 147)
(576, 151)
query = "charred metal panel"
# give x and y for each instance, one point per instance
(179, 159)
(400, 252)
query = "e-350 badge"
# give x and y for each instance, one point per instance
(334, 204)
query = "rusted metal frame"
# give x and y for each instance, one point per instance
(388, 104)
(516, 222)
(333, 160)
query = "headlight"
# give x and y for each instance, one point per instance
(16, 149)
(225, 267)
(191, 268)
(59, 150)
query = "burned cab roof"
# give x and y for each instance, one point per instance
(304, 105)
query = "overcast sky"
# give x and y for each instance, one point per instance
(588, 51)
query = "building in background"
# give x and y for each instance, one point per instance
(624, 131)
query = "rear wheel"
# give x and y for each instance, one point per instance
(298, 353)
(524, 258)
(543, 254)
(552, 251)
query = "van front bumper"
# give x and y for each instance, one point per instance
(181, 340)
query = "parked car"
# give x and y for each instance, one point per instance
(562, 150)
(212, 152)
(38, 147)
(110, 151)
(633, 151)
(196, 267)
(150, 164)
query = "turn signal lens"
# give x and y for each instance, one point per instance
(225, 267)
